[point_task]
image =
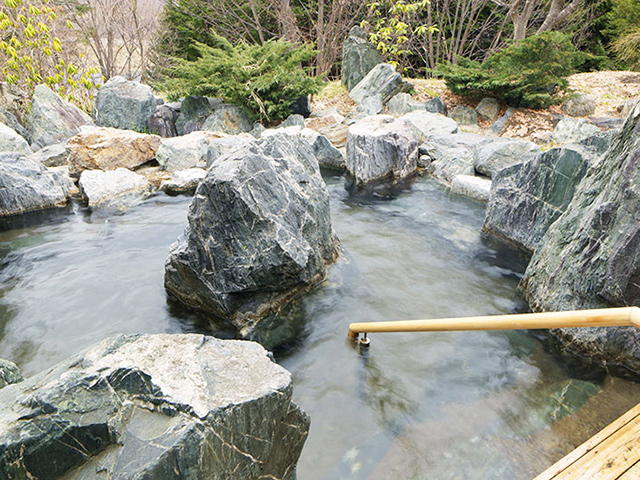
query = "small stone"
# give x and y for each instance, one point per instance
(293, 120)
(183, 181)
(187, 151)
(488, 109)
(436, 105)
(493, 156)
(572, 130)
(382, 80)
(402, 103)
(426, 124)
(580, 105)
(9, 373)
(464, 115)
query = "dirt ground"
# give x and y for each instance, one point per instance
(610, 89)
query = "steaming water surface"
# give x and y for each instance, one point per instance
(428, 405)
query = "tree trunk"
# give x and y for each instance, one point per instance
(557, 14)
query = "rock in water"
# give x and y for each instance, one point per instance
(590, 257)
(259, 233)
(382, 80)
(124, 104)
(380, 150)
(359, 56)
(110, 148)
(527, 198)
(52, 119)
(26, 186)
(118, 188)
(183, 407)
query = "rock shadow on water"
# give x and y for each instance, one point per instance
(387, 188)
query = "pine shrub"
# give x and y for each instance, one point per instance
(263, 79)
(530, 73)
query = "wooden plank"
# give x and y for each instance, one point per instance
(610, 458)
(632, 474)
(589, 445)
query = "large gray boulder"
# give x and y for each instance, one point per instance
(162, 407)
(446, 156)
(426, 125)
(10, 141)
(359, 56)
(402, 103)
(220, 147)
(527, 198)
(124, 104)
(52, 119)
(187, 151)
(229, 119)
(119, 188)
(380, 150)
(572, 130)
(590, 258)
(382, 80)
(26, 186)
(259, 234)
(326, 154)
(493, 156)
(9, 373)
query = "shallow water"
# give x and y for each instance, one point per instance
(429, 405)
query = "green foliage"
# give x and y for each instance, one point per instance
(263, 79)
(627, 48)
(623, 27)
(394, 25)
(528, 73)
(30, 54)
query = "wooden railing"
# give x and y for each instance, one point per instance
(606, 317)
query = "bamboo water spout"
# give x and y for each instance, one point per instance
(605, 317)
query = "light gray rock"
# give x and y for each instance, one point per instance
(183, 181)
(589, 257)
(380, 150)
(9, 373)
(52, 119)
(382, 80)
(477, 188)
(371, 105)
(499, 124)
(359, 57)
(580, 105)
(228, 119)
(332, 126)
(491, 157)
(10, 120)
(436, 105)
(165, 407)
(27, 186)
(220, 147)
(627, 106)
(162, 121)
(488, 109)
(464, 115)
(528, 197)
(256, 131)
(194, 112)
(425, 124)
(54, 155)
(10, 141)
(118, 188)
(451, 163)
(572, 130)
(124, 104)
(402, 103)
(259, 235)
(187, 151)
(327, 155)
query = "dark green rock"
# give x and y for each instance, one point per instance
(359, 56)
(590, 257)
(124, 104)
(154, 407)
(527, 198)
(194, 111)
(259, 233)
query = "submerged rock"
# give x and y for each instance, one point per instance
(185, 407)
(26, 186)
(104, 148)
(259, 233)
(382, 80)
(115, 188)
(590, 257)
(380, 151)
(528, 197)
(52, 119)
(359, 57)
(124, 104)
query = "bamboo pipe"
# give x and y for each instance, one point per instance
(605, 317)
